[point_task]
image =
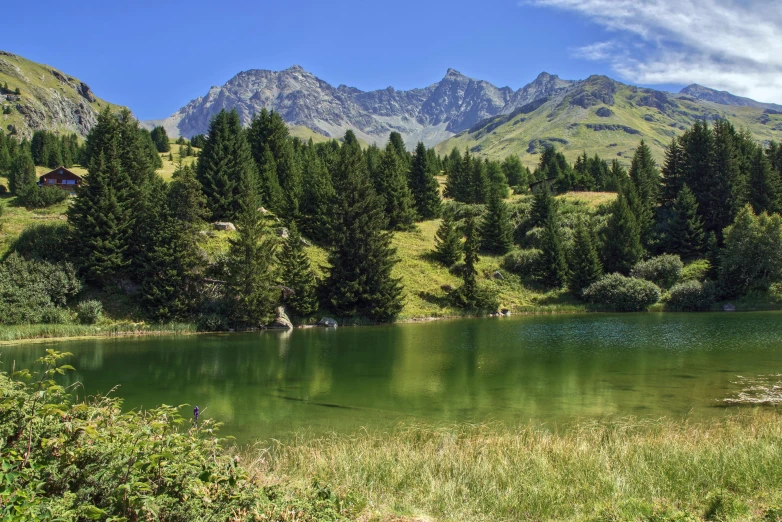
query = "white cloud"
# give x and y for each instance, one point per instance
(724, 44)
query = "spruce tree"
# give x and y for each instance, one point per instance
(542, 206)
(497, 180)
(516, 173)
(5, 155)
(399, 202)
(585, 267)
(448, 241)
(224, 162)
(160, 139)
(646, 180)
(468, 295)
(496, 229)
(251, 283)
(553, 259)
(101, 222)
(316, 196)
(765, 191)
(479, 183)
(672, 174)
(270, 191)
(362, 258)
(425, 188)
(684, 234)
(296, 274)
(22, 172)
(622, 248)
(458, 185)
(185, 200)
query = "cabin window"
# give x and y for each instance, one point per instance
(50, 181)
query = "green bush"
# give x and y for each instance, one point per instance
(41, 197)
(696, 270)
(90, 311)
(90, 461)
(690, 296)
(482, 298)
(624, 294)
(664, 270)
(522, 262)
(29, 290)
(44, 241)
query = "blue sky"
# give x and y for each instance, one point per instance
(155, 56)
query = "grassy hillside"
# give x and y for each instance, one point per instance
(604, 117)
(49, 99)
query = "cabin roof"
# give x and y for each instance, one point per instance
(61, 172)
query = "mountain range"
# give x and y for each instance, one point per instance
(597, 114)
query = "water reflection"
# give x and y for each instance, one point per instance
(544, 368)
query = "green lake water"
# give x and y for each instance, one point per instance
(553, 369)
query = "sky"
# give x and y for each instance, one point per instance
(156, 56)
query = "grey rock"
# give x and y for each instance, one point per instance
(223, 225)
(498, 275)
(505, 312)
(281, 320)
(283, 232)
(305, 242)
(728, 308)
(327, 322)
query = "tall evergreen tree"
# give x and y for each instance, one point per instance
(553, 259)
(672, 174)
(458, 185)
(646, 180)
(185, 199)
(316, 197)
(517, 174)
(270, 192)
(684, 230)
(296, 274)
(585, 266)
(399, 201)
(251, 284)
(765, 190)
(496, 229)
(160, 139)
(542, 206)
(224, 163)
(448, 241)
(472, 242)
(22, 172)
(479, 183)
(424, 186)
(497, 180)
(622, 239)
(5, 155)
(360, 282)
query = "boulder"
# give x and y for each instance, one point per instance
(327, 322)
(223, 225)
(728, 308)
(305, 242)
(505, 312)
(283, 232)
(498, 275)
(281, 321)
(446, 288)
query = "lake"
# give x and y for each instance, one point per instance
(553, 369)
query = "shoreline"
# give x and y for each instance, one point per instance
(186, 329)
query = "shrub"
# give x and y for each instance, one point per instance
(522, 262)
(90, 311)
(481, 299)
(664, 270)
(44, 241)
(696, 270)
(625, 294)
(41, 197)
(690, 296)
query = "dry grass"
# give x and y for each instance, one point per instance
(724, 469)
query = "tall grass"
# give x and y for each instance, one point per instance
(728, 469)
(51, 331)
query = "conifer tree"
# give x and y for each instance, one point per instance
(553, 260)
(646, 180)
(160, 139)
(102, 223)
(765, 191)
(458, 185)
(396, 141)
(297, 274)
(251, 284)
(399, 202)
(22, 172)
(516, 173)
(5, 155)
(496, 229)
(585, 267)
(360, 282)
(224, 162)
(479, 183)
(622, 240)
(448, 241)
(468, 294)
(269, 188)
(424, 186)
(672, 174)
(317, 194)
(497, 180)
(542, 206)
(185, 199)
(684, 234)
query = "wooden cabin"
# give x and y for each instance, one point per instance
(61, 178)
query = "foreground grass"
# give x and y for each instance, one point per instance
(728, 469)
(33, 332)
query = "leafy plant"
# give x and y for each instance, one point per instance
(625, 294)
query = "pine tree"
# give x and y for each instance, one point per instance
(360, 282)
(553, 260)
(424, 186)
(684, 234)
(646, 180)
(459, 176)
(479, 183)
(765, 191)
(160, 139)
(5, 155)
(22, 172)
(516, 173)
(622, 240)
(585, 267)
(224, 162)
(185, 200)
(448, 241)
(297, 274)
(469, 290)
(672, 174)
(251, 284)
(102, 224)
(496, 229)
(497, 180)
(316, 197)
(542, 206)
(269, 184)
(399, 202)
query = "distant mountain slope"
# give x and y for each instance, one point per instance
(603, 116)
(597, 114)
(49, 99)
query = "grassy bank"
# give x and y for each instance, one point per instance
(43, 332)
(664, 470)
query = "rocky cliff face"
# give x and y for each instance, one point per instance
(49, 99)
(431, 114)
(700, 92)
